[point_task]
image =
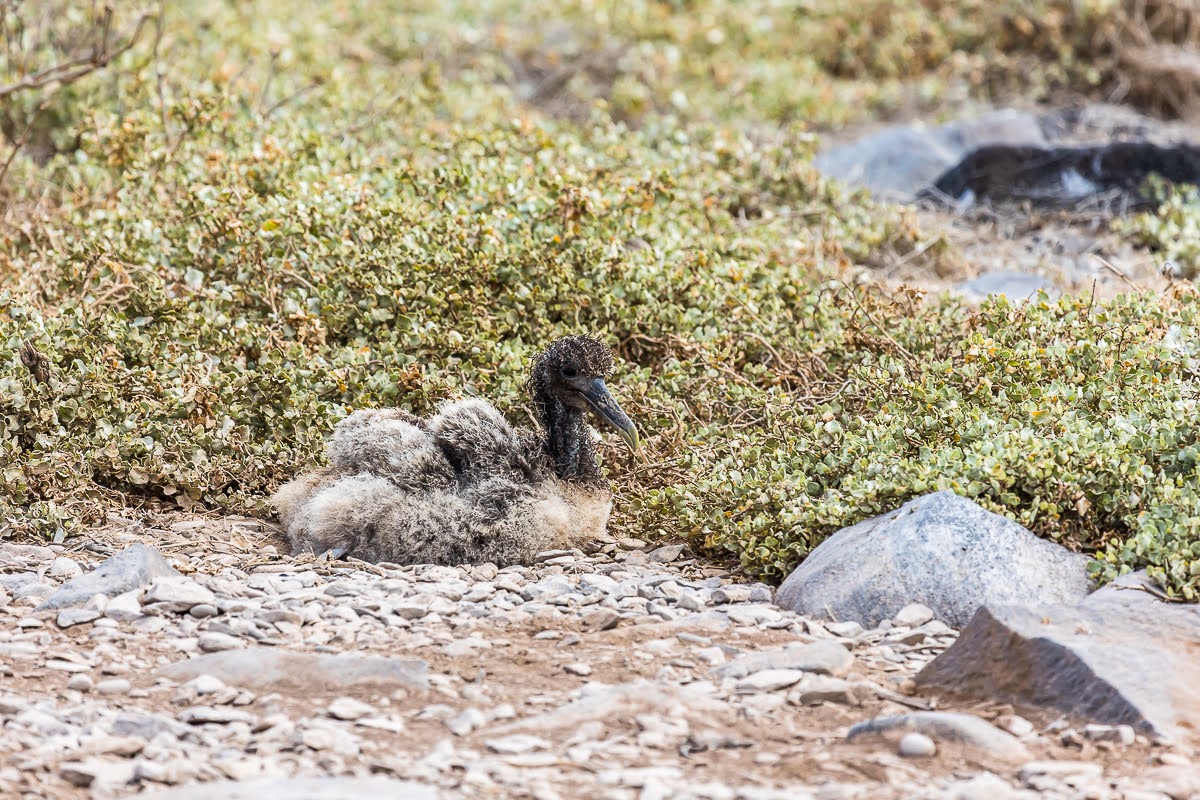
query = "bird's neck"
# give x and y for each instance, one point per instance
(568, 443)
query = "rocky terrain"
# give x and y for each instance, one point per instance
(208, 658)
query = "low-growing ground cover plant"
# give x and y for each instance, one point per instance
(293, 215)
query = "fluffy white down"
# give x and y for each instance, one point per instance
(463, 487)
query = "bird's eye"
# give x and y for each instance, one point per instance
(570, 373)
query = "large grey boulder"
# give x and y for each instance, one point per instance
(132, 568)
(1121, 657)
(262, 668)
(940, 550)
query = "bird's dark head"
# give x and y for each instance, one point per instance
(572, 371)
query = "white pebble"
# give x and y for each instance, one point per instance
(916, 745)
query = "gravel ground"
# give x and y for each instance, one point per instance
(632, 671)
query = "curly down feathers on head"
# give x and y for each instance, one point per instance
(465, 486)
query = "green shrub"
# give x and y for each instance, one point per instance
(239, 253)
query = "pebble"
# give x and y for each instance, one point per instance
(916, 745)
(1123, 735)
(516, 744)
(475, 681)
(665, 554)
(913, 615)
(769, 680)
(203, 611)
(63, 567)
(76, 616)
(113, 686)
(124, 607)
(80, 682)
(347, 708)
(734, 593)
(466, 721)
(213, 642)
(176, 594)
(1016, 725)
(846, 630)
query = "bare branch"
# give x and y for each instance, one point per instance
(105, 50)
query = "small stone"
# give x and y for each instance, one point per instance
(1123, 735)
(205, 684)
(913, 615)
(846, 630)
(221, 715)
(80, 682)
(106, 744)
(578, 669)
(916, 745)
(631, 544)
(212, 642)
(97, 773)
(985, 786)
(76, 616)
(113, 686)
(768, 680)
(1017, 726)
(814, 689)
(63, 567)
(516, 744)
(318, 738)
(601, 619)
(466, 721)
(733, 593)
(29, 623)
(347, 708)
(176, 594)
(124, 607)
(825, 657)
(1060, 770)
(61, 665)
(203, 611)
(667, 554)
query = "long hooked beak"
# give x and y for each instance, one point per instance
(601, 400)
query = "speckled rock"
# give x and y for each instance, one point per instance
(942, 551)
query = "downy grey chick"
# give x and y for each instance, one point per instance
(465, 486)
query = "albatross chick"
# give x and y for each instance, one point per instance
(464, 486)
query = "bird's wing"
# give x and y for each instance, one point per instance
(480, 444)
(391, 444)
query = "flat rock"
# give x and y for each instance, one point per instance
(266, 668)
(1016, 286)
(824, 657)
(768, 680)
(301, 789)
(176, 594)
(940, 550)
(76, 616)
(947, 727)
(1122, 657)
(132, 568)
